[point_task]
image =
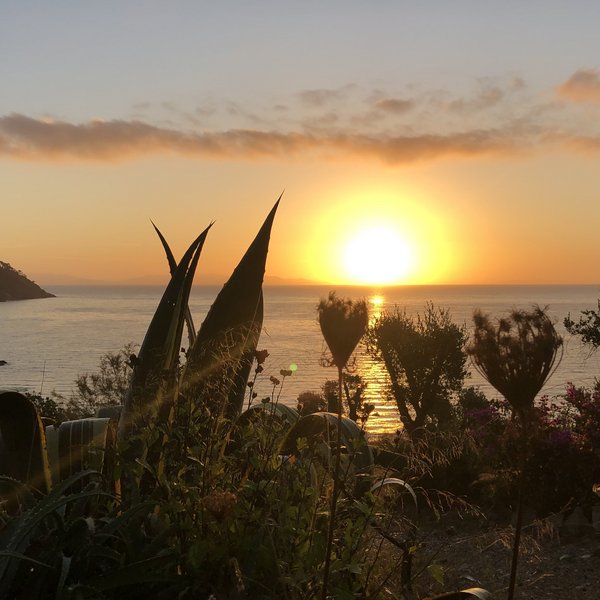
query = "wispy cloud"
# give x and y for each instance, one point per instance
(582, 86)
(486, 98)
(322, 97)
(498, 118)
(25, 138)
(394, 105)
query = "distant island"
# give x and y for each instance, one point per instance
(14, 285)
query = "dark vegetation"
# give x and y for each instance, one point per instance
(14, 285)
(175, 474)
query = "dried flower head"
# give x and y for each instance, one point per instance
(516, 354)
(260, 356)
(343, 323)
(219, 504)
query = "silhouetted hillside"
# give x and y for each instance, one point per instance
(15, 286)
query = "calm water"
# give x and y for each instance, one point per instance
(47, 343)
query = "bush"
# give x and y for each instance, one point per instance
(425, 358)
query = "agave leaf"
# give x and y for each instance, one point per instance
(287, 413)
(378, 485)
(10, 554)
(479, 593)
(172, 268)
(23, 453)
(17, 535)
(143, 571)
(159, 352)
(219, 362)
(321, 426)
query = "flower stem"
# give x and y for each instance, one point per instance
(336, 488)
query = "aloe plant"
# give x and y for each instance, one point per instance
(173, 268)
(221, 357)
(155, 369)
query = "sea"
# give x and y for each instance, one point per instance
(48, 343)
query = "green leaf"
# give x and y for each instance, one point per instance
(220, 360)
(437, 572)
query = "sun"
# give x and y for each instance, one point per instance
(378, 255)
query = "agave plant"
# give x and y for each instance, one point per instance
(219, 358)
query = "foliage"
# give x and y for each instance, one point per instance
(311, 402)
(240, 511)
(353, 388)
(588, 326)
(516, 355)
(110, 384)
(425, 359)
(56, 409)
(563, 452)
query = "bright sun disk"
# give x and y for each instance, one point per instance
(378, 255)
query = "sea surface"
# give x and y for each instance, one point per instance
(48, 343)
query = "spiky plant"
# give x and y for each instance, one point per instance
(517, 355)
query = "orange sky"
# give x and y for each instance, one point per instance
(479, 151)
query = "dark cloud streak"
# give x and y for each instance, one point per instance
(28, 139)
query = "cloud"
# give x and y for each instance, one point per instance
(322, 97)
(486, 98)
(582, 86)
(394, 105)
(29, 139)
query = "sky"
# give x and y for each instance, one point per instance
(427, 142)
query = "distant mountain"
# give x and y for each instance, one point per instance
(14, 285)
(161, 279)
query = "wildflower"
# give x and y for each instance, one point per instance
(260, 356)
(285, 372)
(274, 380)
(219, 504)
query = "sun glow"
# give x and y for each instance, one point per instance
(378, 255)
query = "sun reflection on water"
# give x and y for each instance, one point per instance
(385, 418)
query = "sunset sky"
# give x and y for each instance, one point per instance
(417, 142)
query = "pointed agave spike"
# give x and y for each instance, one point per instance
(172, 267)
(170, 258)
(234, 321)
(186, 289)
(160, 347)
